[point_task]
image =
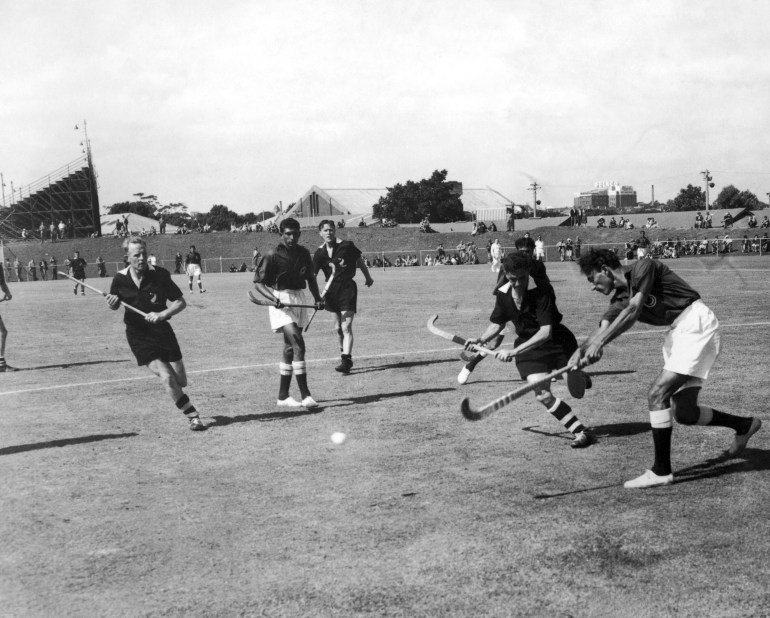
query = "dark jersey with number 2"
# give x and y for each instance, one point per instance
(345, 257)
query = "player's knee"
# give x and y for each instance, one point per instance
(545, 397)
(658, 397)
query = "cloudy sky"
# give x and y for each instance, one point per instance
(250, 102)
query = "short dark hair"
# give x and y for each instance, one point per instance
(326, 222)
(516, 261)
(288, 223)
(525, 242)
(595, 259)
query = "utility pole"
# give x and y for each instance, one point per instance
(534, 187)
(707, 178)
(2, 185)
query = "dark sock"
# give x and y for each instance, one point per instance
(661, 440)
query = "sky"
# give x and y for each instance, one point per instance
(249, 103)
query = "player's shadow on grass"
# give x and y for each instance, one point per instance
(751, 460)
(221, 421)
(364, 399)
(68, 365)
(23, 448)
(404, 365)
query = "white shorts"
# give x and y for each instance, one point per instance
(692, 345)
(641, 252)
(286, 315)
(193, 270)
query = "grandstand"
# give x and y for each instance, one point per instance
(67, 194)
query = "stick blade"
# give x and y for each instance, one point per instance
(468, 412)
(432, 323)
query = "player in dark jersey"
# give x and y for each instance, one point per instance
(283, 273)
(542, 344)
(151, 339)
(3, 330)
(342, 295)
(192, 266)
(524, 246)
(651, 293)
(78, 267)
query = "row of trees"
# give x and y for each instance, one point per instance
(219, 218)
(694, 198)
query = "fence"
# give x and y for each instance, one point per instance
(384, 259)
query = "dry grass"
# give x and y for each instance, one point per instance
(111, 507)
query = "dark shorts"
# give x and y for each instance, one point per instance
(156, 343)
(342, 297)
(554, 354)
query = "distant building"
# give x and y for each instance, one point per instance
(607, 196)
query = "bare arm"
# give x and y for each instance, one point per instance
(591, 350)
(365, 269)
(175, 307)
(493, 330)
(539, 338)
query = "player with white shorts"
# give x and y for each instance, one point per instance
(283, 274)
(192, 266)
(651, 293)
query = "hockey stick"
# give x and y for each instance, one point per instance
(268, 303)
(493, 406)
(323, 293)
(456, 339)
(98, 291)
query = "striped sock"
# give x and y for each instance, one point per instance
(2, 363)
(300, 371)
(563, 413)
(285, 371)
(187, 408)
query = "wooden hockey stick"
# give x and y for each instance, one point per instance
(323, 293)
(457, 339)
(269, 303)
(98, 291)
(495, 405)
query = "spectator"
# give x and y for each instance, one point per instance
(643, 245)
(54, 266)
(52, 231)
(492, 227)
(42, 232)
(613, 223)
(62, 229)
(765, 222)
(361, 223)
(17, 268)
(32, 271)
(600, 222)
(440, 250)
(577, 247)
(698, 221)
(727, 220)
(569, 251)
(43, 269)
(752, 220)
(540, 249)
(560, 247)
(707, 221)
(101, 267)
(745, 244)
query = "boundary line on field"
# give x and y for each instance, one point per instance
(40, 389)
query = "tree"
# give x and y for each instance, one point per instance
(144, 209)
(730, 197)
(690, 198)
(413, 201)
(220, 217)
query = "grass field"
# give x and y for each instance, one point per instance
(112, 507)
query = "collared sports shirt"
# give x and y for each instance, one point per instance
(193, 257)
(284, 269)
(666, 293)
(538, 308)
(156, 289)
(345, 257)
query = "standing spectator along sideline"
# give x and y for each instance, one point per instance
(192, 265)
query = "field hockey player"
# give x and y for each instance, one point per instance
(282, 275)
(151, 338)
(543, 344)
(650, 292)
(340, 258)
(3, 330)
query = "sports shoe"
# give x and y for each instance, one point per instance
(649, 479)
(344, 366)
(203, 291)
(289, 402)
(740, 441)
(463, 376)
(75, 291)
(196, 424)
(583, 439)
(308, 402)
